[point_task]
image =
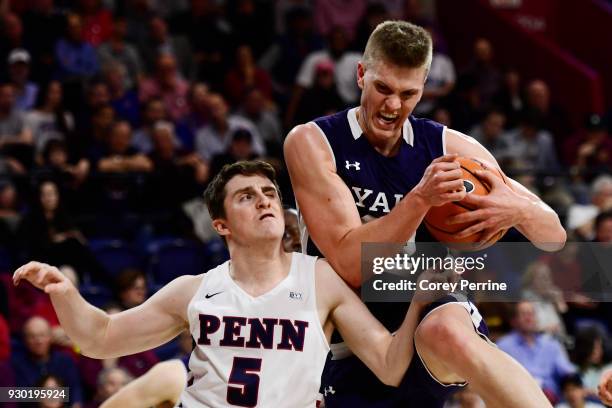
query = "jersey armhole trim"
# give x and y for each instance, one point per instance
(324, 137)
(315, 306)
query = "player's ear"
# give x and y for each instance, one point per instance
(360, 74)
(220, 226)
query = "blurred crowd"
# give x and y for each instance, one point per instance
(114, 115)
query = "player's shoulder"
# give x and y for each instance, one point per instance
(425, 124)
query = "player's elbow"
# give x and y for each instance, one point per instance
(556, 242)
(348, 271)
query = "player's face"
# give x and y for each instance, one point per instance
(253, 210)
(389, 94)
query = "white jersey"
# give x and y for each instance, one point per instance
(265, 351)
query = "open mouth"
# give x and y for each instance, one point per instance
(386, 118)
(264, 216)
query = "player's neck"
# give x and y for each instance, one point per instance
(257, 270)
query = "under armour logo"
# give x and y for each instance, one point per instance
(355, 165)
(330, 390)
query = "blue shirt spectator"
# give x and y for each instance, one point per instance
(541, 355)
(75, 58)
(39, 360)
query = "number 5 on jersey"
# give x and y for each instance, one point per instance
(244, 375)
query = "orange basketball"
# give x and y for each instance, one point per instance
(435, 220)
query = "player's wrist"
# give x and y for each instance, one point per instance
(418, 201)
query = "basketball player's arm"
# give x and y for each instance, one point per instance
(505, 207)
(329, 209)
(161, 384)
(605, 387)
(387, 355)
(99, 335)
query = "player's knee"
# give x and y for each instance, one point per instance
(442, 336)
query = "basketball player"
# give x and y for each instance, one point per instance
(379, 162)
(261, 321)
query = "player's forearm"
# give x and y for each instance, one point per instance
(84, 324)
(396, 227)
(401, 350)
(542, 227)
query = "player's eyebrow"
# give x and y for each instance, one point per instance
(407, 92)
(250, 189)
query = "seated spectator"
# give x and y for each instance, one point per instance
(15, 136)
(322, 98)
(11, 36)
(484, 71)
(574, 394)
(55, 166)
(120, 156)
(10, 215)
(19, 73)
(375, 13)
(118, 50)
(51, 382)
(243, 75)
(588, 356)
(168, 85)
(48, 233)
(178, 175)
(198, 117)
(124, 100)
(532, 146)
(590, 150)
(291, 239)
(510, 97)
(75, 59)
(216, 136)
(550, 116)
(131, 288)
(110, 381)
(49, 120)
(39, 359)
(581, 217)
(240, 148)
(490, 134)
(161, 42)
(546, 297)
(153, 111)
(266, 120)
(97, 21)
(541, 355)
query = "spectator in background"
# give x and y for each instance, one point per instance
(49, 121)
(344, 61)
(581, 217)
(442, 115)
(284, 58)
(153, 111)
(9, 214)
(96, 141)
(252, 23)
(168, 85)
(254, 108)
(131, 288)
(532, 146)
(12, 36)
(240, 148)
(243, 75)
(124, 99)
(510, 97)
(542, 355)
(550, 116)
(291, 239)
(198, 117)
(39, 359)
(440, 80)
(44, 25)
(588, 356)
(490, 133)
(215, 137)
(375, 13)
(50, 382)
(5, 339)
(483, 70)
(574, 394)
(119, 155)
(345, 14)
(546, 297)
(19, 74)
(48, 233)
(160, 42)
(110, 380)
(590, 150)
(15, 136)
(322, 98)
(118, 50)
(75, 59)
(603, 227)
(97, 21)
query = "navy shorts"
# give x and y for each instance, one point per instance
(347, 382)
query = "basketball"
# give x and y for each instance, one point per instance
(435, 219)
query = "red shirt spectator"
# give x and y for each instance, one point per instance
(244, 75)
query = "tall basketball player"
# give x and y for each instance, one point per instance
(377, 161)
(261, 321)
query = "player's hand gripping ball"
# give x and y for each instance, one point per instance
(435, 219)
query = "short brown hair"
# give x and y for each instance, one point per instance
(215, 192)
(401, 43)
